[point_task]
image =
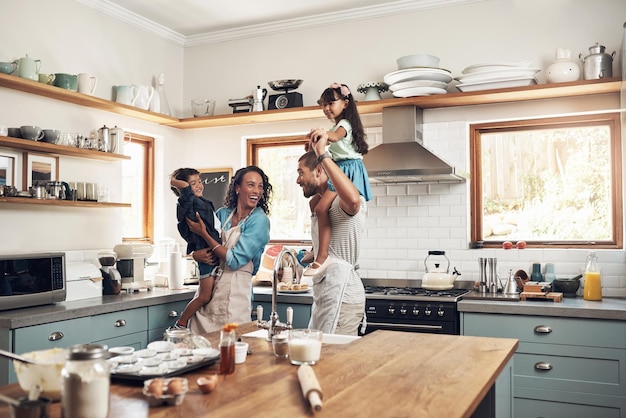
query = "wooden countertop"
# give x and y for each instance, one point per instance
(385, 373)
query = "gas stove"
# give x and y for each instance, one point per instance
(403, 305)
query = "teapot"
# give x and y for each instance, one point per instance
(28, 68)
(597, 64)
(438, 278)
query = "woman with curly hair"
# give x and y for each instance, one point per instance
(245, 232)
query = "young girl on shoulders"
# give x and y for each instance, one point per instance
(348, 145)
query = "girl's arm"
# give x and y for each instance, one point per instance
(337, 135)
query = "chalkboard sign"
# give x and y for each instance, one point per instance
(216, 181)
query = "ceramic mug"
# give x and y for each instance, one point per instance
(87, 83)
(33, 133)
(4, 131)
(46, 78)
(66, 81)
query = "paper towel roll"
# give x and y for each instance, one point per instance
(177, 270)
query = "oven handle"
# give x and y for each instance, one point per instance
(406, 326)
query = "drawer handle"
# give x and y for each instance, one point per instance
(120, 323)
(542, 329)
(542, 365)
(173, 314)
(55, 336)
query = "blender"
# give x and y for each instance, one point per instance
(112, 279)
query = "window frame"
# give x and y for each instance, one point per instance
(612, 120)
(252, 147)
(148, 190)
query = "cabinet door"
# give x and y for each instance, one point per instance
(117, 324)
(161, 317)
(549, 408)
(56, 334)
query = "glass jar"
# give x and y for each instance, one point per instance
(86, 382)
(181, 337)
(227, 351)
(592, 289)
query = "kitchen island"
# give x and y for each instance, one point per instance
(383, 374)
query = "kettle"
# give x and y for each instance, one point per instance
(597, 64)
(510, 288)
(259, 97)
(28, 68)
(437, 278)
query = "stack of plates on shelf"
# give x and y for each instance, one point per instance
(418, 81)
(496, 75)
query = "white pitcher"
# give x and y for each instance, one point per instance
(87, 83)
(144, 97)
(126, 94)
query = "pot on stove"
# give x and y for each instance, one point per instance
(436, 277)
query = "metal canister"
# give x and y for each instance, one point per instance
(598, 64)
(104, 139)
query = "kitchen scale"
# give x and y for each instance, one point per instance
(287, 99)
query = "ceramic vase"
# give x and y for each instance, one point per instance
(563, 69)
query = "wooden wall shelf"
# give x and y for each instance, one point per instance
(506, 95)
(55, 202)
(44, 147)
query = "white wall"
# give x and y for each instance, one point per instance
(79, 39)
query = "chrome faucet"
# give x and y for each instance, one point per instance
(273, 324)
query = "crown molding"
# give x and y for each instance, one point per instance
(250, 31)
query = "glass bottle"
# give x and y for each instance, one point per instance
(181, 337)
(227, 351)
(165, 106)
(86, 382)
(592, 289)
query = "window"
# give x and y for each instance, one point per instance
(289, 209)
(138, 189)
(551, 182)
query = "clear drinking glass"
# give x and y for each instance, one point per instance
(305, 346)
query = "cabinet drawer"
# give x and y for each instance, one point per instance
(570, 368)
(163, 316)
(552, 330)
(136, 340)
(534, 408)
(115, 324)
(56, 334)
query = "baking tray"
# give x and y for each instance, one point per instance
(140, 377)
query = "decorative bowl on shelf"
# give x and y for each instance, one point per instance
(372, 89)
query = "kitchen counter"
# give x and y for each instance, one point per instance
(18, 318)
(608, 308)
(379, 373)
(264, 294)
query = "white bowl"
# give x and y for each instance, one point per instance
(417, 60)
(46, 373)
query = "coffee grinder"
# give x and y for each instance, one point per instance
(131, 262)
(111, 278)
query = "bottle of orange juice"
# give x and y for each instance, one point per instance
(593, 279)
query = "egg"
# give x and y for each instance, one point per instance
(156, 387)
(175, 387)
(207, 383)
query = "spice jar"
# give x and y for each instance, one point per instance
(228, 338)
(86, 382)
(592, 289)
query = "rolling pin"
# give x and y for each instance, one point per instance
(311, 388)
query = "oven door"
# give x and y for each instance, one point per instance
(434, 327)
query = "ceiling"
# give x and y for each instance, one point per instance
(192, 22)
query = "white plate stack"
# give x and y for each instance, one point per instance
(418, 81)
(496, 75)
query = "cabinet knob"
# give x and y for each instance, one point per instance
(543, 366)
(55, 336)
(542, 329)
(173, 314)
(120, 323)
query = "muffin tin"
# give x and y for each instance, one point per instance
(157, 362)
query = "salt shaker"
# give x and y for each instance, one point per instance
(86, 382)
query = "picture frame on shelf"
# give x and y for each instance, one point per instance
(40, 168)
(215, 181)
(10, 165)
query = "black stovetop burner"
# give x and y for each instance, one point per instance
(413, 293)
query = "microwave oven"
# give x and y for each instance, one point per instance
(31, 280)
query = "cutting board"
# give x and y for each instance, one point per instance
(553, 296)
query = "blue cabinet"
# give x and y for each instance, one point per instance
(564, 367)
(161, 317)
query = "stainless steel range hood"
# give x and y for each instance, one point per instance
(401, 157)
